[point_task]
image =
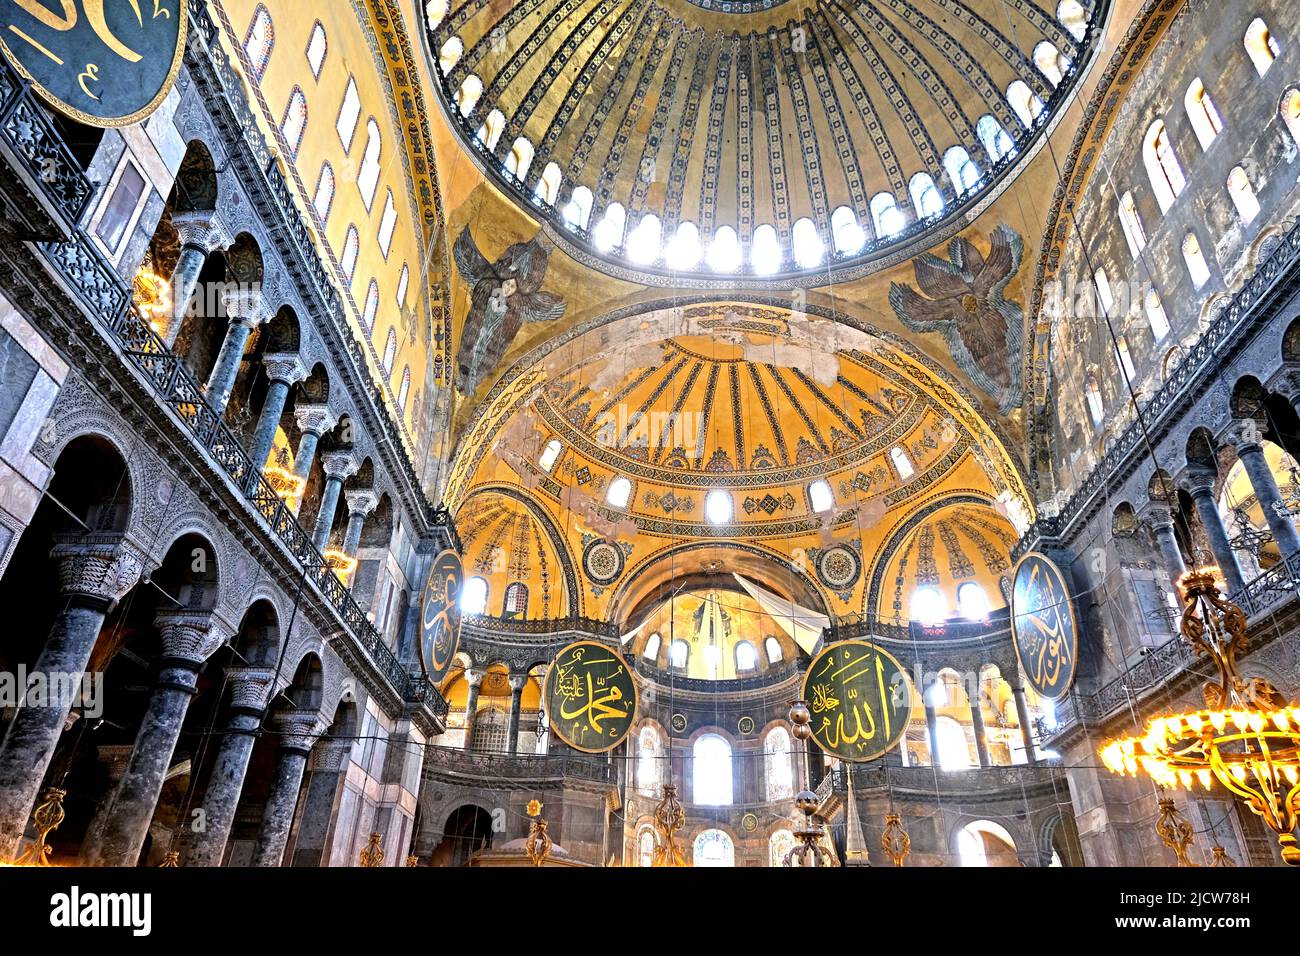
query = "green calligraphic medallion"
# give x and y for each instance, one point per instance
(1043, 626)
(440, 615)
(103, 62)
(861, 700)
(590, 697)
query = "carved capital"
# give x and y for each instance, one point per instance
(245, 306)
(473, 677)
(250, 687)
(317, 419)
(1198, 481)
(298, 729)
(362, 501)
(199, 229)
(339, 464)
(100, 566)
(1286, 381)
(284, 367)
(1246, 435)
(115, 758)
(1158, 517)
(188, 635)
(517, 683)
(331, 755)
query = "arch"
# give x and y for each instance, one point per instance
(1201, 450)
(323, 199)
(962, 171)
(995, 140)
(778, 764)
(449, 54)
(642, 245)
(259, 41)
(1206, 122)
(1198, 270)
(371, 310)
(608, 234)
(652, 647)
(1156, 316)
(577, 211)
(1134, 234)
(972, 601)
(317, 49)
(1050, 62)
(474, 595)
(683, 250)
(351, 250)
(1071, 15)
(368, 174)
(927, 606)
(650, 757)
(779, 844)
(1261, 46)
(847, 237)
(390, 352)
(765, 251)
(489, 134)
(515, 602)
(713, 847)
(349, 114)
(1243, 195)
(1025, 102)
(307, 689)
(294, 123)
(404, 389)
(471, 88)
(519, 158)
(99, 485)
(619, 492)
(257, 642)
(746, 657)
(1247, 399)
(1289, 109)
(724, 253)
(927, 202)
(548, 186)
(886, 218)
(985, 843)
(1163, 168)
(806, 244)
(772, 648)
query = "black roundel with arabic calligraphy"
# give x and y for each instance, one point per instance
(861, 700)
(590, 697)
(103, 62)
(1043, 625)
(440, 615)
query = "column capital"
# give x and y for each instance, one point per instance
(250, 687)
(284, 367)
(1198, 480)
(362, 501)
(1245, 434)
(316, 419)
(115, 757)
(102, 566)
(1158, 514)
(245, 306)
(298, 729)
(339, 464)
(188, 636)
(1286, 381)
(517, 683)
(199, 229)
(473, 677)
(331, 755)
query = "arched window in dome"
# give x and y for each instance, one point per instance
(516, 601)
(474, 596)
(619, 492)
(683, 250)
(902, 464)
(489, 134)
(714, 848)
(1243, 195)
(928, 606)
(950, 737)
(820, 496)
(746, 657)
(1261, 46)
(387, 224)
(926, 198)
(578, 209)
(1125, 359)
(402, 391)
(259, 41)
(648, 777)
(806, 244)
(972, 601)
(349, 114)
(294, 123)
(643, 241)
(450, 54)
(765, 251)
(679, 655)
(962, 171)
(846, 235)
(471, 88)
(1025, 102)
(390, 351)
(351, 249)
(548, 187)
(717, 507)
(886, 217)
(1096, 407)
(779, 844)
(371, 311)
(1071, 15)
(651, 650)
(1105, 297)
(435, 11)
(724, 254)
(546, 461)
(317, 47)
(995, 139)
(1201, 111)
(608, 233)
(1197, 268)
(711, 778)
(646, 848)
(778, 767)
(519, 158)
(1156, 316)
(1134, 234)
(1050, 62)
(324, 198)
(368, 175)
(772, 647)
(1291, 113)
(984, 843)
(403, 282)
(1163, 169)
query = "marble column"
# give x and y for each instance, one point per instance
(977, 726)
(313, 843)
(188, 639)
(517, 683)
(361, 503)
(283, 370)
(473, 678)
(115, 758)
(298, 731)
(313, 422)
(932, 728)
(250, 688)
(1247, 436)
(1026, 727)
(246, 311)
(338, 467)
(199, 234)
(1161, 521)
(1200, 485)
(95, 571)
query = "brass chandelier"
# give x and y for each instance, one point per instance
(1247, 737)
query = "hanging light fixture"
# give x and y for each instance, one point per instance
(895, 840)
(1174, 831)
(669, 817)
(809, 848)
(47, 817)
(1247, 737)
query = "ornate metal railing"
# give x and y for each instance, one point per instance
(496, 766)
(540, 628)
(31, 137)
(776, 674)
(973, 779)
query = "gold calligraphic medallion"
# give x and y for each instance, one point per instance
(440, 615)
(103, 62)
(590, 697)
(1043, 626)
(861, 700)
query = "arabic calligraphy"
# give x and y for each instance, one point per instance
(591, 697)
(861, 700)
(1043, 625)
(440, 615)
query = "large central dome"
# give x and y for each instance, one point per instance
(754, 137)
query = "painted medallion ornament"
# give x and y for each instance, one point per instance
(1043, 625)
(590, 697)
(440, 615)
(860, 698)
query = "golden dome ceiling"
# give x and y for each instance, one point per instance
(730, 122)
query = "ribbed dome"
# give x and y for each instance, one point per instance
(757, 137)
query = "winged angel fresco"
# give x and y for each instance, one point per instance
(984, 330)
(504, 295)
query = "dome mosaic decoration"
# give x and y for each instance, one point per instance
(754, 138)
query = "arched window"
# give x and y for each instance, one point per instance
(1291, 113)
(578, 209)
(349, 113)
(886, 216)
(902, 464)
(648, 777)
(351, 249)
(294, 123)
(1200, 110)
(403, 281)
(746, 656)
(519, 158)
(772, 647)
(928, 606)
(516, 602)
(1166, 175)
(317, 47)
(995, 139)
(846, 235)
(1105, 297)
(724, 250)
(1197, 268)
(683, 250)
(806, 244)
(1050, 63)
(711, 771)
(1025, 102)
(950, 737)
(368, 176)
(548, 187)
(779, 844)
(820, 496)
(1156, 316)
(609, 231)
(651, 650)
(435, 11)
(1243, 195)
(324, 198)
(1125, 359)
(984, 843)
(714, 848)
(1096, 408)
(1134, 234)
(404, 389)
(259, 41)
(549, 454)
(390, 351)
(926, 199)
(387, 223)
(765, 251)
(717, 507)
(471, 88)
(473, 597)
(679, 654)
(962, 171)
(1071, 15)
(778, 765)
(972, 602)
(646, 848)
(619, 492)
(1261, 46)
(371, 310)
(489, 134)
(643, 242)
(449, 55)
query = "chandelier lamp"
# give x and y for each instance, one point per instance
(1246, 738)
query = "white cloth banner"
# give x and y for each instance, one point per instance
(804, 626)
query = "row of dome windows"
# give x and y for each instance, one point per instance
(745, 654)
(929, 607)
